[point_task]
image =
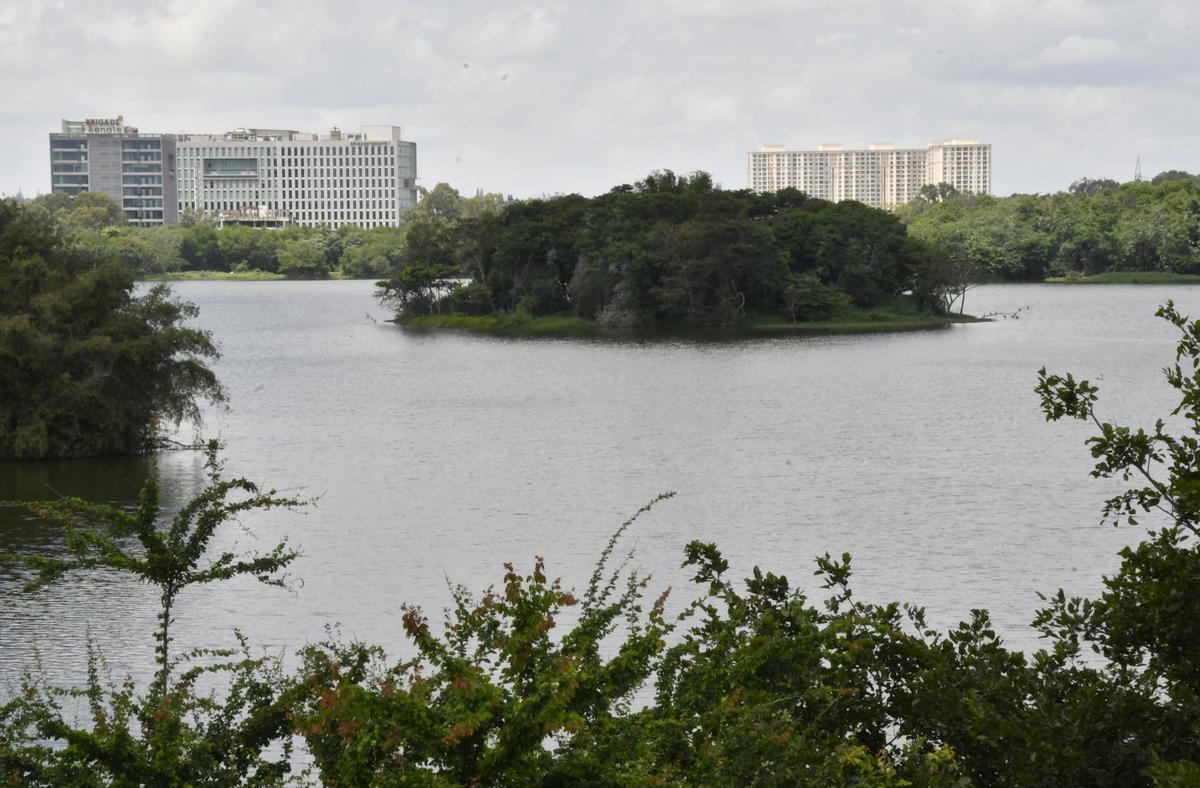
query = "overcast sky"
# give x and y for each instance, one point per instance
(548, 97)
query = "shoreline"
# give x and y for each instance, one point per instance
(510, 325)
(242, 276)
(1126, 278)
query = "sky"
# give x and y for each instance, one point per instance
(561, 97)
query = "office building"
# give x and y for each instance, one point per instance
(280, 176)
(104, 155)
(881, 175)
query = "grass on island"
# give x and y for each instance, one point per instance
(897, 316)
(1127, 278)
(216, 276)
(508, 323)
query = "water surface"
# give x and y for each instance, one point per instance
(437, 457)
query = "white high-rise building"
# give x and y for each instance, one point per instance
(881, 175)
(964, 164)
(366, 178)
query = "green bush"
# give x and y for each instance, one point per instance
(170, 734)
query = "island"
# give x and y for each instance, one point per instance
(669, 253)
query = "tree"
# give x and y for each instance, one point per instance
(1089, 186)
(1143, 625)
(937, 192)
(84, 211)
(442, 204)
(419, 289)
(1174, 175)
(200, 247)
(766, 688)
(720, 268)
(248, 249)
(173, 735)
(88, 368)
(303, 259)
(379, 251)
(949, 274)
(806, 298)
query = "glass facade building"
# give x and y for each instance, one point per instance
(104, 155)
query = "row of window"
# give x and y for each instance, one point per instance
(322, 152)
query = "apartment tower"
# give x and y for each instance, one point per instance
(881, 175)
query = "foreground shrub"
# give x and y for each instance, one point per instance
(496, 700)
(171, 734)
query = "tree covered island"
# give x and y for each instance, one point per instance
(668, 252)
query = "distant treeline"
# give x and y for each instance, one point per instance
(667, 250)
(97, 225)
(676, 249)
(1095, 227)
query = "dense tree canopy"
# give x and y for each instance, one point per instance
(1098, 226)
(86, 366)
(669, 250)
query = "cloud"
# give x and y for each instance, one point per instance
(562, 96)
(708, 111)
(1077, 50)
(507, 33)
(729, 8)
(826, 39)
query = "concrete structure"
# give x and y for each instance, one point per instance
(104, 155)
(254, 217)
(366, 178)
(881, 175)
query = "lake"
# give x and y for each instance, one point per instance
(436, 457)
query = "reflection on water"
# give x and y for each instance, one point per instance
(442, 455)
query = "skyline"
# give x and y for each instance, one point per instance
(556, 98)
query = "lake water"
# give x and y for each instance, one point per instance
(437, 457)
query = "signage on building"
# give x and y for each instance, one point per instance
(107, 126)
